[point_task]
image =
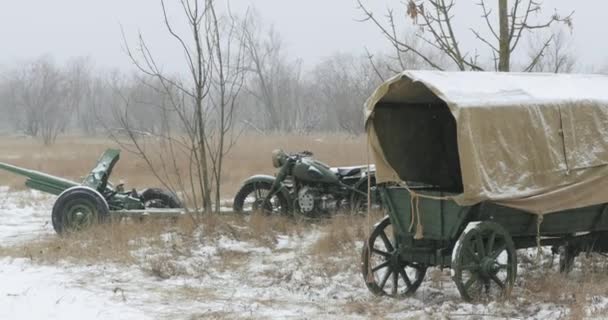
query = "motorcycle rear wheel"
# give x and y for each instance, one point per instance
(251, 199)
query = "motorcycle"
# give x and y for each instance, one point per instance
(307, 186)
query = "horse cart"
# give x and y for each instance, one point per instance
(95, 200)
(473, 166)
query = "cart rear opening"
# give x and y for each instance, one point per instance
(419, 141)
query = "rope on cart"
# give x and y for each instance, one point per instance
(539, 221)
(415, 209)
(370, 274)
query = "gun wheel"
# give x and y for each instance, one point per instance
(384, 272)
(484, 263)
(77, 209)
(160, 199)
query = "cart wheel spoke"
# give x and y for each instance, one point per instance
(406, 279)
(382, 253)
(395, 284)
(387, 242)
(385, 278)
(380, 266)
(502, 266)
(470, 267)
(497, 252)
(470, 282)
(499, 282)
(472, 254)
(490, 245)
(481, 251)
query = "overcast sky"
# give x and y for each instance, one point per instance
(312, 29)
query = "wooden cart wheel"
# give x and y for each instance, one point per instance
(484, 263)
(384, 272)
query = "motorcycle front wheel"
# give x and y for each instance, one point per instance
(251, 198)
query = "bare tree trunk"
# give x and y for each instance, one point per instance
(504, 63)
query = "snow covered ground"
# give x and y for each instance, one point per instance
(223, 278)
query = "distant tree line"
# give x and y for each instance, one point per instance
(44, 99)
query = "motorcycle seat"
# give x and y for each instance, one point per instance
(347, 171)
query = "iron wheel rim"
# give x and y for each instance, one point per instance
(384, 272)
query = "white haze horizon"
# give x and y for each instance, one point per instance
(311, 30)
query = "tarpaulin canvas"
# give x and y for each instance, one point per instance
(533, 141)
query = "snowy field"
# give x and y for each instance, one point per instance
(231, 277)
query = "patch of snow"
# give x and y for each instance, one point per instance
(25, 215)
(279, 281)
(39, 292)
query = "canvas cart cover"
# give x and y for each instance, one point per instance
(538, 142)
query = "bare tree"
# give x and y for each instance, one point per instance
(203, 101)
(275, 82)
(82, 88)
(557, 58)
(42, 97)
(341, 84)
(435, 19)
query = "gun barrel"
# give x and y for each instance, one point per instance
(39, 180)
(16, 170)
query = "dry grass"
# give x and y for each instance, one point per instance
(336, 250)
(577, 290)
(165, 241)
(74, 157)
(342, 232)
(259, 229)
(103, 243)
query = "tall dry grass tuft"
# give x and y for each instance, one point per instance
(339, 234)
(111, 242)
(578, 290)
(341, 239)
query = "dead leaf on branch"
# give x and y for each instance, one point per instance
(412, 11)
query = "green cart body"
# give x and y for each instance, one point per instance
(443, 206)
(444, 221)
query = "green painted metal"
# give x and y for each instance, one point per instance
(520, 223)
(98, 178)
(40, 181)
(441, 219)
(308, 169)
(125, 201)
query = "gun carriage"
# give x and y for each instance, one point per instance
(80, 205)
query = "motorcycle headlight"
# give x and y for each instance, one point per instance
(278, 158)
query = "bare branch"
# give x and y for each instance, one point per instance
(538, 56)
(369, 16)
